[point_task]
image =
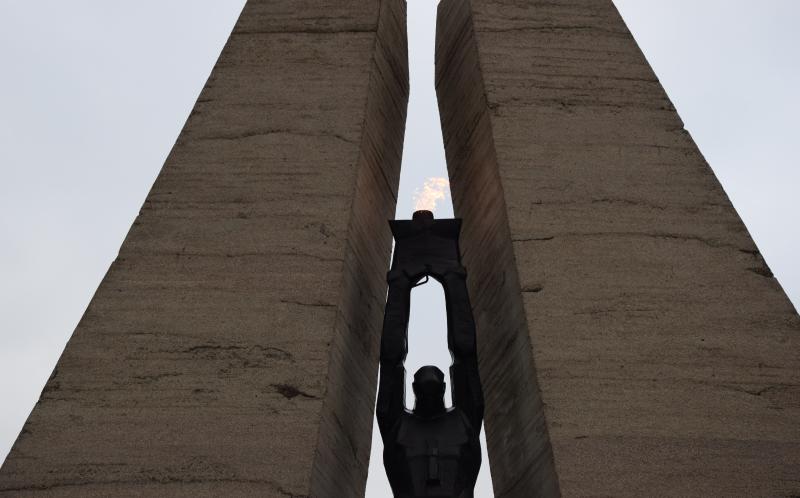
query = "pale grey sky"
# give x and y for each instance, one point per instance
(94, 94)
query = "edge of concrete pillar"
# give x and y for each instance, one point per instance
(345, 428)
(520, 453)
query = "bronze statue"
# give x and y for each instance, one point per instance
(430, 451)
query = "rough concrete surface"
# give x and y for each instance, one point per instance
(604, 251)
(232, 347)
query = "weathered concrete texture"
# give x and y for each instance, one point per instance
(599, 239)
(232, 347)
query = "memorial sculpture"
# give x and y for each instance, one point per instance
(430, 451)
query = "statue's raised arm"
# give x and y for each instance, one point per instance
(394, 346)
(464, 378)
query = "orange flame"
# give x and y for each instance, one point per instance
(433, 190)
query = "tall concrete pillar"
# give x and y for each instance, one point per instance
(232, 347)
(633, 342)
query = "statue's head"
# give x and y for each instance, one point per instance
(429, 386)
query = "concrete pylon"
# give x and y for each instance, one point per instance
(232, 348)
(632, 340)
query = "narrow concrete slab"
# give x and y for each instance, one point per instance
(633, 341)
(232, 348)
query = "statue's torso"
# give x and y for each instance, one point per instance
(433, 457)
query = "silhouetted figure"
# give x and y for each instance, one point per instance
(430, 451)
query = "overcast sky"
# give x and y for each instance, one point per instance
(94, 94)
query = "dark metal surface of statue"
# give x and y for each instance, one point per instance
(431, 451)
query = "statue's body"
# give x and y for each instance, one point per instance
(430, 451)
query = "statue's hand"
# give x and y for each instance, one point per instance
(399, 279)
(407, 276)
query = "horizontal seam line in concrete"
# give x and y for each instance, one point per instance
(306, 31)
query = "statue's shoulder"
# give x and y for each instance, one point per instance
(457, 413)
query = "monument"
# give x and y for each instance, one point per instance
(631, 340)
